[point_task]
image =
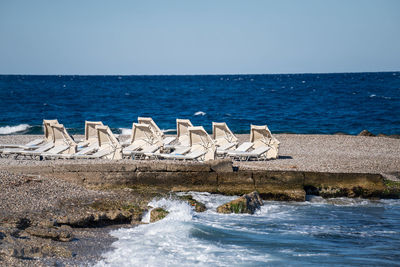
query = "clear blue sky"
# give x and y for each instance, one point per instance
(198, 37)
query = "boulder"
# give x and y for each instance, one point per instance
(247, 203)
(365, 133)
(158, 214)
(198, 206)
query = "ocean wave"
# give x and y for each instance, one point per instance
(199, 113)
(181, 239)
(14, 129)
(125, 131)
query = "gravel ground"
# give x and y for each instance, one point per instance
(322, 153)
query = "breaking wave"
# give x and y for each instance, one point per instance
(199, 113)
(14, 129)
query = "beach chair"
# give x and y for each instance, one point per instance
(34, 144)
(108, 146)
(261, 136)
(202, 147)
(149, 121)
(64, 144)
(258, 153)
(47, 144)
(223, 137)
(90, 134)
(143, 140)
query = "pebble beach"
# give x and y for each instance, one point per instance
(44, 198)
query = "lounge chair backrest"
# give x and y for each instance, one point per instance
(200, 140)
(143, 132)
(222, 134)
(152, 124)
(261, 136)
(61, 137)
(182, 131)
(108, 141)
(91, 132)
(48, 132)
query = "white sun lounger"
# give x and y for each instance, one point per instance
(149, 121)
(90, 134)
(202, 147)
(258, 153)
(32, 144)
(143, 138)
(108, 145)
(261, 136)
(7, 149)
(222, 134)
(193, 155)
(64, 144)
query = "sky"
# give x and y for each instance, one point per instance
(96, 37)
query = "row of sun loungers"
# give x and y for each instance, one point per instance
(147, 141)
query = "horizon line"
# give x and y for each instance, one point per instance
(210, 74)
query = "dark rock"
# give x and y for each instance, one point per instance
(221, 165)
(198, 206)
(58, 234)
(365, 133)
(247, 203)
(158, 214)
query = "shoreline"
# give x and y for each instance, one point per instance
(43, 201)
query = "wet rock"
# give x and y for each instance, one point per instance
(63, 234)
(247, 203)
(315, 199)
(365, 133)
(198, 206)
(158, 214)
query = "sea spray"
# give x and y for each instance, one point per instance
(338, 231)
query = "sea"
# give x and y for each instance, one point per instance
(287, 103)
(317, 232)
(321, 232)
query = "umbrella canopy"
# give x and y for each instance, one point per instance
(144, 132)
(62, 137)
(48, 132)
(261, 136)
(222, 134)
(91, 132)
(107, 140)
(152, 124)
(200, 140)
(182, 131)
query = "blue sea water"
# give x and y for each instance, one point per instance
(297, 103)
(330, 232)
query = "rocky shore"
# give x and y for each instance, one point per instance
(59, 212)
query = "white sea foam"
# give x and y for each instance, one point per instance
(125, 131)
(13, 129)
(182, 238)
(199, 113)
